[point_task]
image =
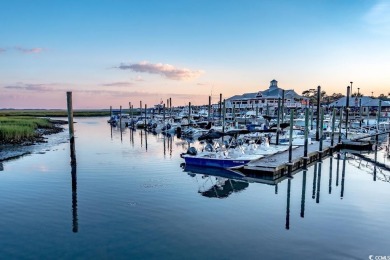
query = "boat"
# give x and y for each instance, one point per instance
(218, 156)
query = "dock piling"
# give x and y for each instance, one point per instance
(318, 112)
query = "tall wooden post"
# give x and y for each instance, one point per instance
(347, 113)
(209, 109)
(189, 113)
(291, 139)
(340, 123)
(220, 107)
(70, 114)
(306, 137)
(282, 106)
(278, 124)
(224, 116)
(321, 131)
(333, 126)
(120, 117)
(318, 112)
(145, 124)
(379, 114)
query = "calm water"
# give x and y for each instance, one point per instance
(131, 199)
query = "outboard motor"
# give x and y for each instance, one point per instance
(192, 151)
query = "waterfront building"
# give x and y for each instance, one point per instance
(268, 97)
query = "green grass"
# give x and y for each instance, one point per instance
(14, 129)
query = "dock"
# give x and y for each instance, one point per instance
(278, 163)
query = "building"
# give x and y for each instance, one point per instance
(367, 104)
(268, 98)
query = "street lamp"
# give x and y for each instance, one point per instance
(358, 92)
(372, 94)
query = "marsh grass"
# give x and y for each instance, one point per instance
(15, 129)
(52, 113)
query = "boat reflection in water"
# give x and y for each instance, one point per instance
(217, 183)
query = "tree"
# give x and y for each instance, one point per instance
(311, 94)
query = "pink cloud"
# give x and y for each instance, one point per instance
(165, 70)
(118, 84)
(29, 50)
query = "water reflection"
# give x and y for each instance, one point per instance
(330, 174)
(303, 194)
(73, 164)
(1, 166)
(217, 183)
(288, 204)
(319, 182)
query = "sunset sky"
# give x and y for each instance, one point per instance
(113, 52)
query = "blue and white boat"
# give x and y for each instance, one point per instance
(217, 156)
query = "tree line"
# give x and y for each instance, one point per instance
(311, 94)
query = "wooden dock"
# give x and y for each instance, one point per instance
(278, 163)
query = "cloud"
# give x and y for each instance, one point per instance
(2, 50)
(202, 84)
(32, 87)
(139, 78)
(378, 17)
(164, 70)
(28, 50)
(118, 84)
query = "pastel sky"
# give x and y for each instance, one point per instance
(113, 52)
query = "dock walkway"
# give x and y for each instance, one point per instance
(278, 163)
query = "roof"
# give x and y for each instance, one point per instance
(353, 101)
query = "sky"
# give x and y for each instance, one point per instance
(110, 53)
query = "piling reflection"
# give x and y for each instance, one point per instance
(303, 196)
(73, 164)
(330, 174)
(343, 177)
(288, 204)
(314, 181)
(319, 182)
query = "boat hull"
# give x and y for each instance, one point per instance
(214, 162)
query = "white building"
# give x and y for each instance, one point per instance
(268, 97)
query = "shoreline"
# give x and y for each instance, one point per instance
(13, 150)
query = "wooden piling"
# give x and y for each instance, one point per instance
(340, 124)
(120, 117)
(220, 107)
(209, 115)
(318, 112)
(145, 124)
(347, 113)
(290, 141)
(333, 125)
(282, 118)
(110, 112)
(189, 113)
(306, 137)
(224, 116)
(379, 114)
(321, 132)
(278, 124)
(70, 114)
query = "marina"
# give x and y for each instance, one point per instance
(129, 184)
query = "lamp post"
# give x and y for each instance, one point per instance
(358, 92)
(372, 94)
